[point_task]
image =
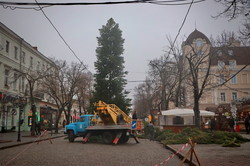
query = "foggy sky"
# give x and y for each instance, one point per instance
(144, 28)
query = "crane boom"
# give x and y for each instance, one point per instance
(110, 113)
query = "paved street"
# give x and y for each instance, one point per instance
(216, 155)
(61, 152)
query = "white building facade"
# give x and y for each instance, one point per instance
(16, 57)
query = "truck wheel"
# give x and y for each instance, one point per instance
(124, 138)
(71, 136)
(108, 137)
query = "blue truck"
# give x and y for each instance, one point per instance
(108, 121)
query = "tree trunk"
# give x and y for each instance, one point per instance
(56, 124)
(163, 100)
(33, 109)
(196, 112)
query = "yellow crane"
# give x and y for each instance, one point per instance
(111, 114)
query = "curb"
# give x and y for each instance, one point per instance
(29, 142)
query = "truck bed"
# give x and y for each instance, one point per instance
(109, 127)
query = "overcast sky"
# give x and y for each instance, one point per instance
(144, 27)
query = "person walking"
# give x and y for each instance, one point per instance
(151, 131)
(213, 124)
(38, 128)
(231, 124)
(247, 123)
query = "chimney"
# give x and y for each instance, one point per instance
(35, 48)
(233, 42)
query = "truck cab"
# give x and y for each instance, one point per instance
(78, 129)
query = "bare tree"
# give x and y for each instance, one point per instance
(163, 71)
(145, 97)
(62, 87)
(180, 72)
(225, 39)
(84, 92)
(234, 9)
(245, 33)
(198, 64)
(33, 78)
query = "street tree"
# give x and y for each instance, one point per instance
(110, 75)
(234, 9)
(34, 78)
(180, 73)
(145, 98)
(84, 92)
(198, 57)
(163, 71)
(61, 86)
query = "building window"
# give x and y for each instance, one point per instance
(221, 79)
(199, 53)
(15, 81)
(23, 84)
(31, 61)
(233, 79)
(244, 78)
(234, 96)
(199, 43)
(222, 97)
(178, 120)
(43, 67)
(7, 46)
(232, 64)
(221, 64)
(230, 52)
(219, 52)
(16, 52)
(23, 57)
(38, 66)
(6, 77)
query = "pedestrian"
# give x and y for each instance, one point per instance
(212, 124)
(247, 123)
(38, 128)
(151, 131)
(134, 116)
(231, 124)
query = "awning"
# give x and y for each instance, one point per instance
(185, 112)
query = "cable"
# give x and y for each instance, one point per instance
(62, 37)
(16, 5)
(230, 77)
(183, 22)
(175, 4)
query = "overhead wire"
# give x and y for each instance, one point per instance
(178, 33)
(16, 5)
(175, 4)
(61, 36)
(43, 5)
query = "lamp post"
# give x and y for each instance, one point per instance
(75, 115)
(21, 101)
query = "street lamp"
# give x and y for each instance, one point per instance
(21, 101)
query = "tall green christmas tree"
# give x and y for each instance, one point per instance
(110, 75)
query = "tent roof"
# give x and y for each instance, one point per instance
(185, 112)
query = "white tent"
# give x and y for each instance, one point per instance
(185, 112)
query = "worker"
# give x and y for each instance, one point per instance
(151, 131)
(247, 123)
(134, 116)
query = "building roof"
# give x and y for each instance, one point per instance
(195, 35)
(18, 38)
(240, 54)
(185, 112)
